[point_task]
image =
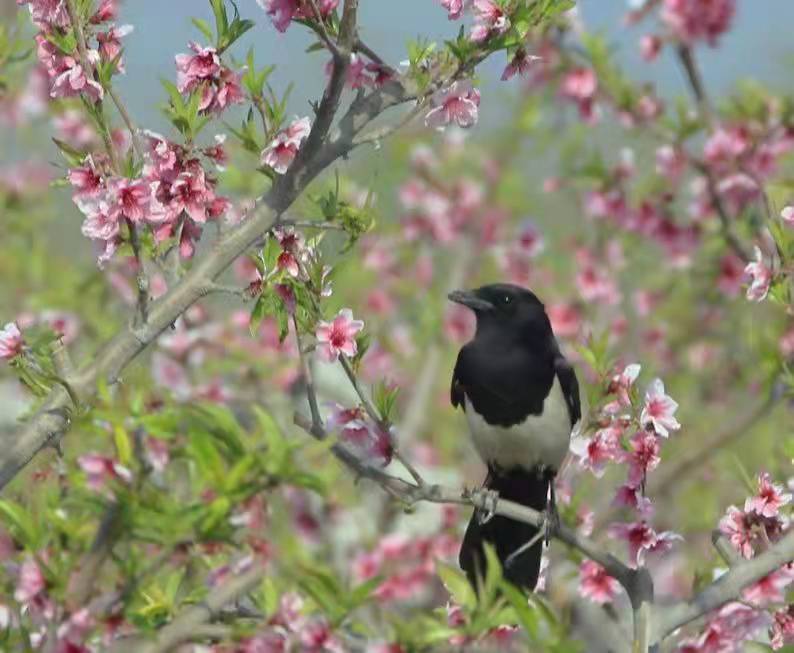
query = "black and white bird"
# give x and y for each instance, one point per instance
(521, 400)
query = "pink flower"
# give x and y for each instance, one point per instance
(783, 627)
(192, 69)
(621, 383)
(692, 20)
(631, 496)
(489, 20)
(580, 85)
(453, 7)
(284, 147)
(132, 198)
(70, 80)
(770, 589)
(769, 500)
(338, 336)
(101, 469)
(11, 341)
(671, 162)
(100, 222)
(659, 410)
(110, 44)
(738, 529)
(30, 582)
(317, 636)
(86, 181)
(520, 64)
(595, 584)
(156, 452)
(192, 194)
(761, 277)
(787, 214)
(642, 539)
(356, 72)
(643, 456)
(598, 450)
(367, 441)
(650, 46)
(457, 103)
(47, 13)
(281, 12)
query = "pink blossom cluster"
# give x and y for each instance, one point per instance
(369, 442)
(695, 20)
(204, 70)
(71, 631)
(173, 197)
(442, 212)
(65, 70)
(760, 521)
(408, 564)
(614, 442)
(283, 12)
(726, 630)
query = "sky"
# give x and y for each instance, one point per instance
(163, 28)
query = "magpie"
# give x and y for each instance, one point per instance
(521, 400)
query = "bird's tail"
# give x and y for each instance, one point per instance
(529, 488)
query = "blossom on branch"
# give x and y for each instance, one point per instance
(11, 341)
(760, 275)
(454, 8)
(338, 336)
(769, 500)
(282, 150)
(596, 584)
(457, 104)
(659, 410)
(283, 12)
(489, 20)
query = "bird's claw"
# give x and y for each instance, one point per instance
(551, 524)
(486, 501)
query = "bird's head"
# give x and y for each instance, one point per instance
(509, 311)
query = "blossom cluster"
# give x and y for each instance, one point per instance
(204, 71)
(635, 441)
(65, 70)
(759, 523)
(174, 196)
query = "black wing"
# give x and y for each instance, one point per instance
(456, 395)
(570, 387)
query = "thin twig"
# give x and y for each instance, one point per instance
(317, 420)
(125, 116)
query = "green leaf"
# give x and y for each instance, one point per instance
(457, 585)
(203, 27)
(19, 523)
(123, 445)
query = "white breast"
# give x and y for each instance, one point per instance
(539, 440)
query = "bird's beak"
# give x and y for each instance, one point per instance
(470, 299)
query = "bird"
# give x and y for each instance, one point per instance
(521, 400)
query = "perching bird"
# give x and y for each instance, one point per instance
(521, 400)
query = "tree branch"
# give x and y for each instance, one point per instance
(190, 624)
(726, 588)
(53, 418)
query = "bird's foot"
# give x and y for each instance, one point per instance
(551, 523)
(485, 500)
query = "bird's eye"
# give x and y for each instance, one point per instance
(507, 299)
